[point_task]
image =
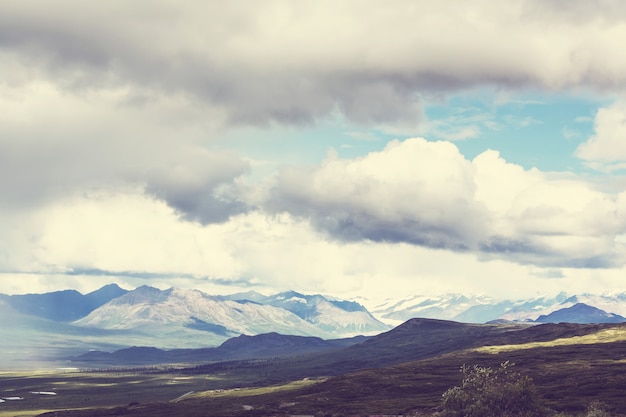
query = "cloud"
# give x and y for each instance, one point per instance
(101, 95)
(296, 62)
(549, 273)
(197, 185)
(428, 194)
(113, 114)
(403, 193)
(468, 132)
(52, 145)
(606, 148)
(157, 277)
(134, 240)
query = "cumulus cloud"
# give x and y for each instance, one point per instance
(606, 148)
(403, 193)
(428, 194)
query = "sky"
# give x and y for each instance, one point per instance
(351, 148)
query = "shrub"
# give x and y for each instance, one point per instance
(487, 392)
(597, 409)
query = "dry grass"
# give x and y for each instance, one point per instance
(617, 334)
(248, 392)
(570, 365)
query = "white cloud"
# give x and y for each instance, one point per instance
(124, 237)
(428, 194)
(606, 148)
(570, 134)
(123, 231)
(468, 132)
(111, 115)
(413, 191)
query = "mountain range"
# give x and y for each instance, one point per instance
(205, 317)
(112, 318)
(482, 309)
(62, 306)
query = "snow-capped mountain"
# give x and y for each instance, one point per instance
(454, 307)
(346, 318)
(192, 314)
(481, 309)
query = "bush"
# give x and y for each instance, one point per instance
(486, 392)
(597, 409)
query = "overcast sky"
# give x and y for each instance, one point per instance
(352, 148)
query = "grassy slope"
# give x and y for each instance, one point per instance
(571, 365)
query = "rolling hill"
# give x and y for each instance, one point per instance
(570, 364)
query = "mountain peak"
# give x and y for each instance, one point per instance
(581, 313)
(108, 287)
(142, 295)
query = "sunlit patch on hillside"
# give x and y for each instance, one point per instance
(611, 335)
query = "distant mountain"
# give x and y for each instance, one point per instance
(193, 318)
(274, 344)
(480, 309)
(580, 313)
(445, 307)
(339, 317)
(63, 306)
(111, 318)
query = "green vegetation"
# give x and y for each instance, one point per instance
(488, 392)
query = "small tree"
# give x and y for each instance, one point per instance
(486, 392)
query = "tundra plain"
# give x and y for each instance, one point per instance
(401, 372)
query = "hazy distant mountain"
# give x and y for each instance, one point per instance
(480, 309)
(580, 313)
(177, 318)
(455, 307)
(339, 317)
(38, 325)
(190, 314)
(63, 306)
